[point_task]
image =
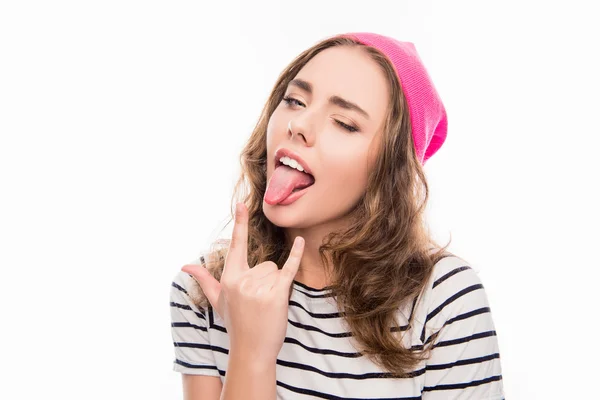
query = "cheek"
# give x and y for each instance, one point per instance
(347, 172)
(277, 124)
(276, 132)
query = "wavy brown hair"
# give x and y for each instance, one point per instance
(387, 231)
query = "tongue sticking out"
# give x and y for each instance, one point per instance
(283, 181)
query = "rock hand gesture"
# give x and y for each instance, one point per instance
(253, 302)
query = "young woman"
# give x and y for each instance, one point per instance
(331, 286)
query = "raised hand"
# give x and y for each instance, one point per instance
(253, 302)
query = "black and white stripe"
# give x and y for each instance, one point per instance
(318, 358)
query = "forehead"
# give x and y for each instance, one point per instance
(351, 74)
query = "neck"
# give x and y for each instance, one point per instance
(312, 272)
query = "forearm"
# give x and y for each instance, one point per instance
(249, 378)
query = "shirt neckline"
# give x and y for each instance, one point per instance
(306, 287)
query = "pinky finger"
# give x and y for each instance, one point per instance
(291, 266)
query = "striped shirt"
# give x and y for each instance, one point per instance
(318, 360)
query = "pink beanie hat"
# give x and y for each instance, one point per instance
(427, 112)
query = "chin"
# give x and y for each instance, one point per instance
(290, 216)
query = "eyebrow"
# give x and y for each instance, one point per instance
(337, 100)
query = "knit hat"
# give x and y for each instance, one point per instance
(427, 112)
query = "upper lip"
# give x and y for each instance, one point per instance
(283, 152)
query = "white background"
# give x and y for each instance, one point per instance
(121, 124)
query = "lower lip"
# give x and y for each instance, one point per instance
(294, 196)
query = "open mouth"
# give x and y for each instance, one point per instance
(287, 184)
(299, 188)
(280, 164)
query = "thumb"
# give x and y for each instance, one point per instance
(210, 286)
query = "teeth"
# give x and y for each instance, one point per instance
(291, 163)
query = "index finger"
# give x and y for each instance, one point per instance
(237, 256)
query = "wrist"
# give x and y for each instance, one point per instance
(249, 377)
(252, 358)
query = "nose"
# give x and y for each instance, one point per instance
(299, 128)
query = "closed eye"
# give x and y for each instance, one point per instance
(290, 100)
(349, 128)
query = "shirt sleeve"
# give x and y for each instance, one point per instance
(465, 358)
(189, 329)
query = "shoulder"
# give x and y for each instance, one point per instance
(454, 291)
(453, 274)
(190, 324)
(458, 324)
(453, 278)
